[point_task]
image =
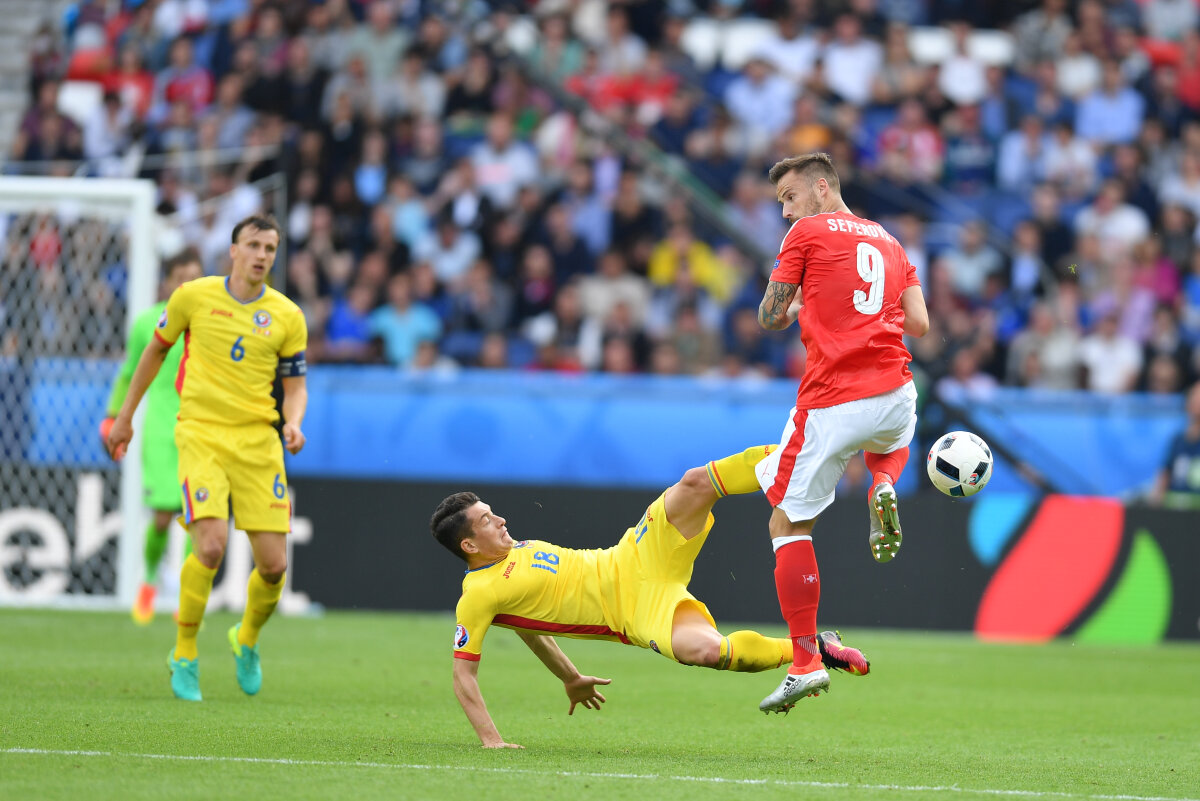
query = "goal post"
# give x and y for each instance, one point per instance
(79, 262)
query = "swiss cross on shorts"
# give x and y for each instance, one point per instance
(810, 578)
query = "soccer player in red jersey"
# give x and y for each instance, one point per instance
(855, 295)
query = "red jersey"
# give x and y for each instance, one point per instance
(851, 274)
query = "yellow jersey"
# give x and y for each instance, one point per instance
(542, 588)
(232, 350)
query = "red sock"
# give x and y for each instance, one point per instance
(891, 465)
(799, 586)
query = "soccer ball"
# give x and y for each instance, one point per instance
(959, 464)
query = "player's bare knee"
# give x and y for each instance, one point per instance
(695, 486)
(210, 552)
(272, 571)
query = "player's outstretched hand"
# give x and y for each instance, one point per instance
(582, 690)
(502, 745)
(117, 440)
(293, 438)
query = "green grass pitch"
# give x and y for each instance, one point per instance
(358, 706)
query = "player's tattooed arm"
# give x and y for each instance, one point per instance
(777, 311)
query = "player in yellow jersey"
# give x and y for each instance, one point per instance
(238, 335)
(160, 458)
(635, 592)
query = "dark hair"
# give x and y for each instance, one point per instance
(188, 255)
(813, 165)
(449, 523)
(261, 222)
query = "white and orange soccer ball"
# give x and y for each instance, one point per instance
(959, 464)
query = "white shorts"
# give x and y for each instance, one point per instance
(801, 474)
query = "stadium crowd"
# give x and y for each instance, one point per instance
(445, 206)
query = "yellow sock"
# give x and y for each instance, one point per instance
(734, 475)
(261, 599)
(750, 652)
(195, 585)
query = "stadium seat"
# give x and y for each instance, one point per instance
(742, 39)
(702, 41)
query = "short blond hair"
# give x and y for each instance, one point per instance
(811, 165)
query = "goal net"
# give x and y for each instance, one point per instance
(77, 255)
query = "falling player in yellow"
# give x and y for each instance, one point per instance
(635, 592)
(238, 334)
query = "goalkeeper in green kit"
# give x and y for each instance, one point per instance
(160, 481)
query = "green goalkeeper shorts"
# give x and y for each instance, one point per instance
(160, 473)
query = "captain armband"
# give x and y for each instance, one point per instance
(293, 366)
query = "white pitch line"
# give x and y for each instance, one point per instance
(903, 788)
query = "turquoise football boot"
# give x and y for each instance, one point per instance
(185, 677)
(249, 671)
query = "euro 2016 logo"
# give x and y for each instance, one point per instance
(162, 321)
(202, 495)
(262, 318)
(461, 636)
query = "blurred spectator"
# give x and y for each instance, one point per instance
(502, 164)
(1027, 271)
(970, 155)
(1178, 483)
(1165, 345)
(412, 90)
(403, 324)
(183, 81)
(1021, 160)
(449, 250)
(570, 255)
(755, 210)
(1112, 362)
(1183, 189)
(1118, 225)
(349, 94)
(1078, 72)
(303, 84)
(348, 330)
(380, 42)
(1041, 33)
(972, 261)
(622, 52)
(107, 132)
(556, 53)
(131, 81)
(966, 381)
(613, 285)
(899, 76)
(911, 146)
(232, 117)
(1044, 355)
(682, 253)
(370, 176)
(808, 132)
(1070, 163)
(962, 78)
(695, 342)
(1169, 19)
(792, 49)
(575, 340)
(1113, 112)
(760, 100)
(480, 303)
(850, 62)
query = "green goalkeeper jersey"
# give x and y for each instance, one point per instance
(162, 399)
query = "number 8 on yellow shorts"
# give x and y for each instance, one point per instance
(245, 462)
